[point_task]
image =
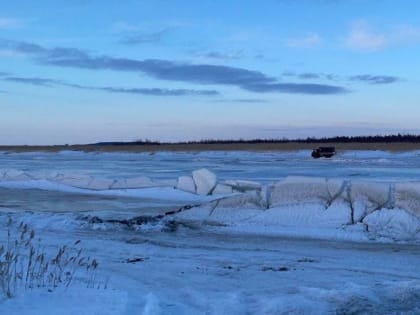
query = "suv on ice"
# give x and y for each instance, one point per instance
(327, 152)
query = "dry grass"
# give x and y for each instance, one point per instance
(25, 265)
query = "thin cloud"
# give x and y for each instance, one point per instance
(311, 40)
(364, 78)
(288, 74)
(33, 81)
(135, 34)
(142, 91)
(121, 27)
(259, 56)
(145, 38)
(158, 91)
(362, 37)
(311, 76)
(298, 88)
(306, 76)
(10, 23)
(242, 100)
(220, 55)
(407, 34)
(249, 80)
(330, 76)
(375, 79)
(9, 53)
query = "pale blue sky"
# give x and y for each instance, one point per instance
(94, 70)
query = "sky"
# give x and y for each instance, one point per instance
(86, 71)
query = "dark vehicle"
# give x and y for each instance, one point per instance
(326, 152)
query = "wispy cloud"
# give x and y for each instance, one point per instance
(311, 76)
(375, 79)
(11, 23)
(310, 40)
(259, 56)
(144, 37)
(297, 88)
(136, 34)
(364, 78)
(45, 82)
(406, 35)
(33, 81)
(218, 55)
(121, 27)
(242, 100)
(250, 80)
(362, 37)
(157, 91)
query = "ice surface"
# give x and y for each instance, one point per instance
(264, 223)
(296, 201)
(367, 197)
(135, 182)
(198, 271)
(249, 199)
(316, 203)
(396, 224)
(13, 174)
(407, 196)
(78, 300)
(157, 193)
(186, 183)
(222, 189)
(335, 188)
(204, 180)
(243, 185)
(100, 183)
(79, 181)
(298, 190)
(262, 167)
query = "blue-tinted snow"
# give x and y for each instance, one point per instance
(258, 166)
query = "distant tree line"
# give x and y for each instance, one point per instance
(407, 138)
(366, 139)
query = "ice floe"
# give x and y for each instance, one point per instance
(204, 180)
(186, 183)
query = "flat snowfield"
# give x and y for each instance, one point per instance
(235, 232)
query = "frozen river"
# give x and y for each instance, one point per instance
(257, 166)
(340, 238)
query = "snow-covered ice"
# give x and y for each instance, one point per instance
(222, 232)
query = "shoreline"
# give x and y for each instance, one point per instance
(198, 147)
